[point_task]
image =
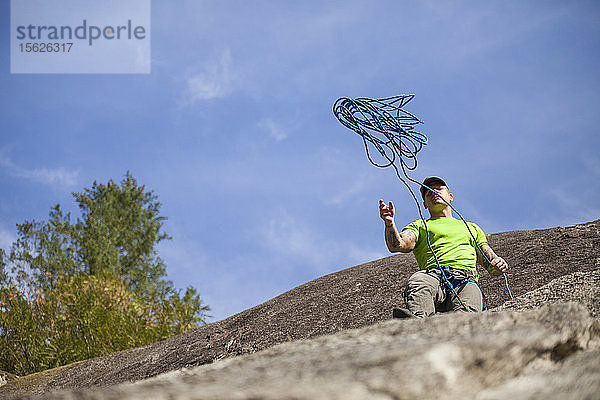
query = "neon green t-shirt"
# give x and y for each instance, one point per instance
(451, 241)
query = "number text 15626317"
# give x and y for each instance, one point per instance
(45, 47)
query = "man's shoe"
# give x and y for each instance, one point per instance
(402, 313)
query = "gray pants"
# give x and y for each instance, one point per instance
(425, 294)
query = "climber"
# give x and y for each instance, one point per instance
(427, 291)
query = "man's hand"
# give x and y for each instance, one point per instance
(396, 241)
(498, 266)
(386, 213)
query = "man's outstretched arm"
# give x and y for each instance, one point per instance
(404, 241)
(396, 241)
(496, 266)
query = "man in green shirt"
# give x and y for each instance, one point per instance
(427, 291)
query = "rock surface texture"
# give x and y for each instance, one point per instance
(582, 287)
(561, 263)
(443, 357)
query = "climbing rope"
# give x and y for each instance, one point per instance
(384, 124)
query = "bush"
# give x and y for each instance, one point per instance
(69, 292)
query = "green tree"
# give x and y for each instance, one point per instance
(71, 291)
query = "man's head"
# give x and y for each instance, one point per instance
(440, 196)
(432, 180)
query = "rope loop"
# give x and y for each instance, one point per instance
(385, 125)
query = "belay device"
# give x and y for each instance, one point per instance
(383, 124)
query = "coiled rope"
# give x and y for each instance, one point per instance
(384, 124)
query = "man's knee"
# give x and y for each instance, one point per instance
(471, 299)
(421, 293)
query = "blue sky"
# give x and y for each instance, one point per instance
(263, 188)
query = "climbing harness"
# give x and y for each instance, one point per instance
(453, 282)
(384, 124)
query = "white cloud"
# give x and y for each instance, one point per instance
(575, 204)
(291, 237)
(49, 176)
(274, 129)
(214, 81)
(351, 192)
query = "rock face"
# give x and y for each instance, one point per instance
(445, 357)
(581, 287)
(352, 298)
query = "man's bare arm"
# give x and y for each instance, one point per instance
(404, 241)
(496, 265)
(395, 241)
